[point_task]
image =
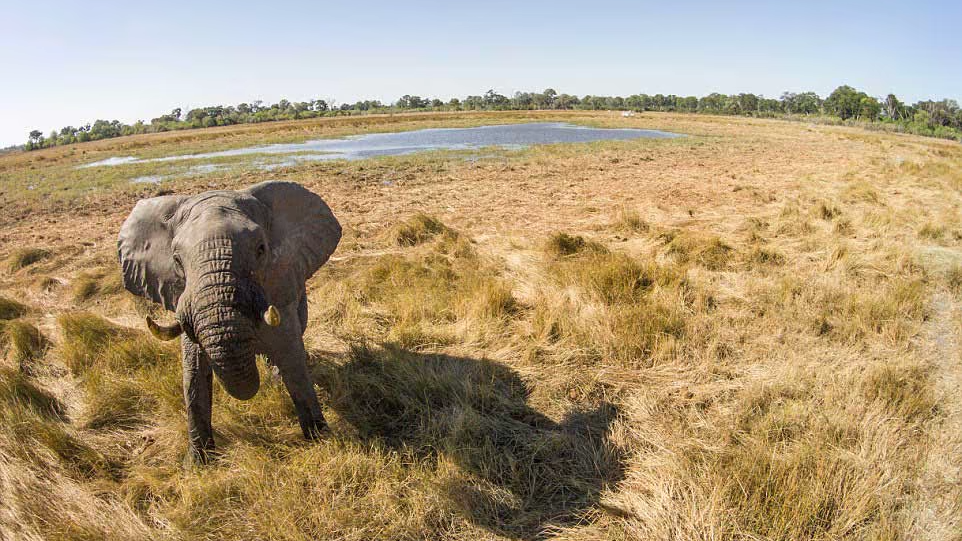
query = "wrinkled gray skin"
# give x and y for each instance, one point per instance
(218, 260)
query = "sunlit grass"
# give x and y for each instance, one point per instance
(419, 228)
(24, 257)
(101, 282)
(11, 309)
(609, 344)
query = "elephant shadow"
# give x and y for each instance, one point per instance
(521, 473)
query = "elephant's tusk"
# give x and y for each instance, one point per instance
(164, 332)
(272, 317)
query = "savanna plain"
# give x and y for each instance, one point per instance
(752, 332)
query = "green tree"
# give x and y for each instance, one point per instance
(493, 100)
(35, 140)
(869, 108)
(845, 102)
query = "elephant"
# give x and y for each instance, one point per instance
(232, 266)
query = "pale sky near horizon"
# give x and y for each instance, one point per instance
(69, 63)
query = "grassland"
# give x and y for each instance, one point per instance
(750, 333)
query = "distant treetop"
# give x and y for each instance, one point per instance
(846, 104)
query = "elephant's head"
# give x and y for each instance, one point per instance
(223, 260)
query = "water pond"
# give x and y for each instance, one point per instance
(507, 136)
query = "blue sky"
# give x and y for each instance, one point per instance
(73, 62)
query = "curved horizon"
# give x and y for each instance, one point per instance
(73, 64)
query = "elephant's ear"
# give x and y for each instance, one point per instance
(303, 235)
(146, 257)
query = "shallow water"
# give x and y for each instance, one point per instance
(148, 179)
(507, 136)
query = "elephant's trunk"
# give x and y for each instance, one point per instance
(221, 310)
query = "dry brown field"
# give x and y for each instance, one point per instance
(753, 332)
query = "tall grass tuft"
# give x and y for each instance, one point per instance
(953, 277)
(705, 250)
(24, 257)
(85, 336)
(26, 343)
(562, 244)
(418, 229)
(18, 390)
(427, 298)
(630, 220)
(11, 309)
(125, 374)
(100, 282)
(932, 231)
(904, 388)
(625, 309)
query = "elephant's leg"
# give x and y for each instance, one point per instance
(302, 311)
(197, 396)
(284, 346)
(301, 388)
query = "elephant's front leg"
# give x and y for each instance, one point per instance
(301, 388)
(284, 346)
(197, 396)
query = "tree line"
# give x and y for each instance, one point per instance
(845, 104)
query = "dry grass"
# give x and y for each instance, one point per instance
(706, 250)
(563, 244)
(932, 231)
(417, 229)
(727, 336)
(11, 309)
(954, 279)
(25, 342)
(97, 283)
(24, 257)
(629, 220)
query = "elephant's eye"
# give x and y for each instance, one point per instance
(178, 264)
(261, 250)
